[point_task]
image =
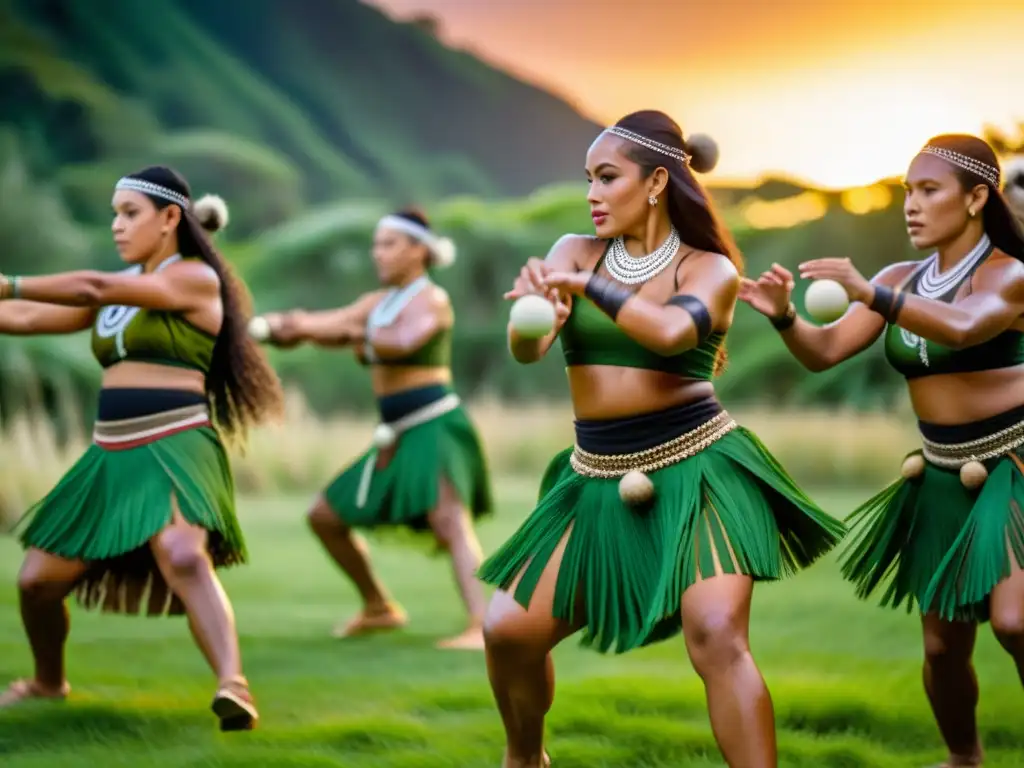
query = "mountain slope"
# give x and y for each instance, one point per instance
(335, 99)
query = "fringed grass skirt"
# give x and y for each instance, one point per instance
(118, 496)
(425, 436)
(949, 530)
(718, 495)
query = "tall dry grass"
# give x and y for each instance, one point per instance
(818, 447)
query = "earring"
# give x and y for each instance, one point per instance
(970, 212)
(652, 200)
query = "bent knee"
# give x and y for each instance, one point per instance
(509, 630)
(447, 525)
(184, 560)
(1008, 626)
(37, 585)
(716, 639)
(321, 517)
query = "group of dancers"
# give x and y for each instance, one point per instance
(660, 517)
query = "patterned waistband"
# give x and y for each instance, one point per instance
(955, 455)
(672, 452)
(123, 434)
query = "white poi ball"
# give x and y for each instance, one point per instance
(826, 300)
(384, 436)
(259, 328)
(532, 316)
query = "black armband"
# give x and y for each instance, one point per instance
(887, 303)
(695, 307)
(786, 320)
(606, 295)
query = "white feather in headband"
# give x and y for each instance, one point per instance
(441, 248)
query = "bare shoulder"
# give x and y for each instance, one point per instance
(196, 274)
(895, 273)
(1001, 272)
(709, 266)
(438, 298)
(575, 252)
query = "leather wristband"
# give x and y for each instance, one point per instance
(606, 295)
(786, 319)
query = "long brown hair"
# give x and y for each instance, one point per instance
(690, 208)
(242, 388)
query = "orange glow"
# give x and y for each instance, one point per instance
(861, 200)
(838, 94)
(788, 212)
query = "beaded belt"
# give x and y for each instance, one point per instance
(956, 455)
(123, 434)
(386, 434)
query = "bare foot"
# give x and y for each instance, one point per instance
(390, 616)
(234, 706)
(471, 639)
(24, 690)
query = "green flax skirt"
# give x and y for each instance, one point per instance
(718, 494)
(949, 530)
(425, 437)
(120, 494)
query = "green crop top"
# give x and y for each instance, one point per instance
(150, 336)
(435, 353)
(590, 337)
(914, 357)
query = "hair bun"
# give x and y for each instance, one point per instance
(211, 212)
(703, 152)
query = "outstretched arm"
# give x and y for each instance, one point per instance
(32, 318)
(818, 348)
(327, 328)
(995, 303)
(184, 287)
(705, 303)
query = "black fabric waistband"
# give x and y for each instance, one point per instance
(395, 406)
(638, 433)
(950, 434)
(118, 403)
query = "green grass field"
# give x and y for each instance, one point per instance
(845, 677)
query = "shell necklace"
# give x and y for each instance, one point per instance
(633, 270)
(934, 285)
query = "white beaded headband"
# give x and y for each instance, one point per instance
(442, 249)
(156, 190)
(989, 173)
(657, 146)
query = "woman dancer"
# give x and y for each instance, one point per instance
(665, 511)
(426, 467)
(142, 519)
(949, 534)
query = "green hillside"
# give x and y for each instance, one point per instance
(292, 104)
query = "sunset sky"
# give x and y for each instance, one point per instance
(838, 92)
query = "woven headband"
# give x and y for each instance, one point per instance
(989, 173)
(156, 190)
(643, 141)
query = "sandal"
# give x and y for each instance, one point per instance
(26, 689)
(235, 706)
